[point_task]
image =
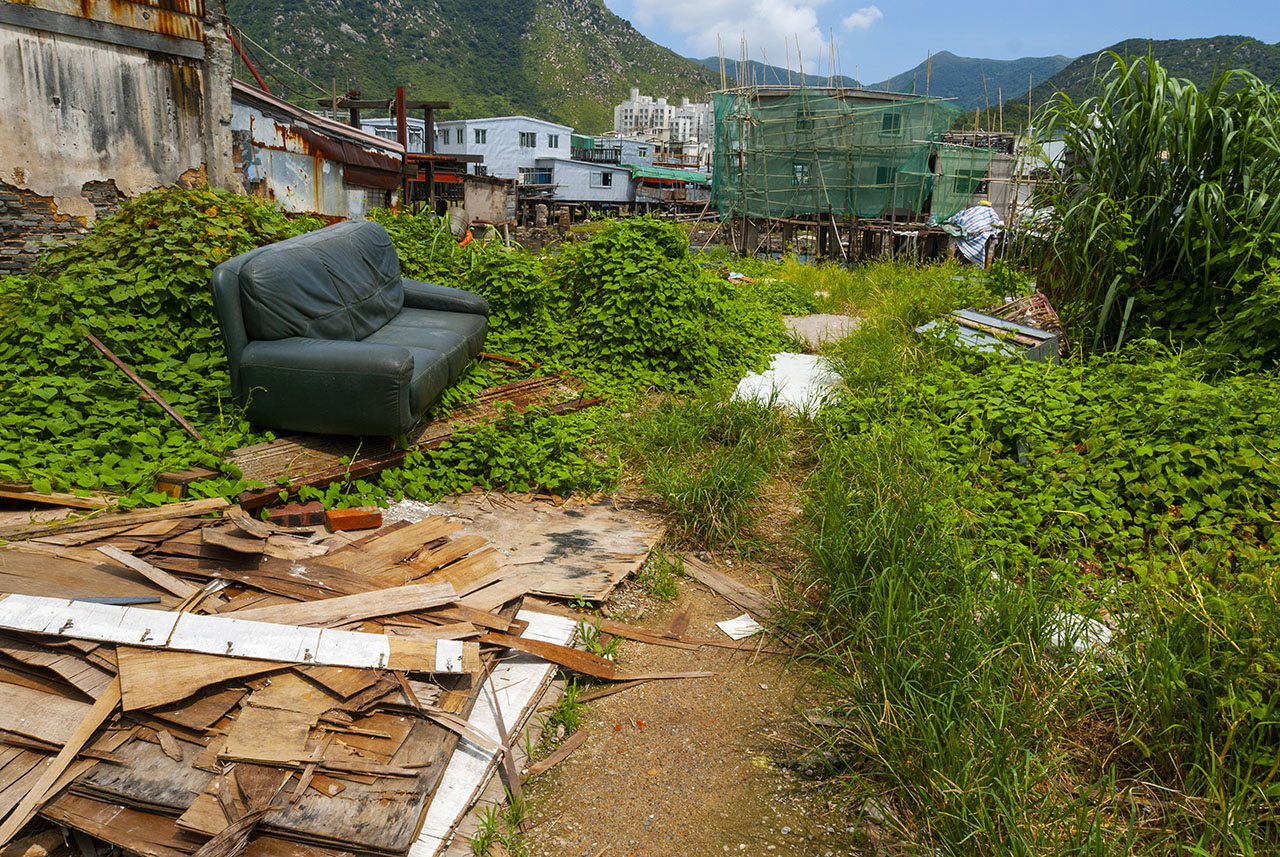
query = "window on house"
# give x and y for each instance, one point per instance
(528, 139)
(804, 120)
(891, 124)
(967, 182)
(482, 170)
(602, 179)
(642, 152)
(553, 141)
(799, 175)
(481, 136)
(886, 175)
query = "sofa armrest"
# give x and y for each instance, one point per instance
(419, 295)
(327, 386)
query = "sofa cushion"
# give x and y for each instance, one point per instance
(453, 337)
(340, 282)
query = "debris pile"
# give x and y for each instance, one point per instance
(173, 683)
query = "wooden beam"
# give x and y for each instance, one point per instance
(159, 577)
(191, 508)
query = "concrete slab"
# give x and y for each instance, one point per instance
(820, 328)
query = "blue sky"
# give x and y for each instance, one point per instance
(889, 36)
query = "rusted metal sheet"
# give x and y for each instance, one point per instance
(177, 18)
(308, 163)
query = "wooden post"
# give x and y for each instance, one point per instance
(402, 137)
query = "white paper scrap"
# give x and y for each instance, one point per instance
(740, 626)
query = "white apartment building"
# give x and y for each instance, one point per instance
(690, 122)
(510, 145)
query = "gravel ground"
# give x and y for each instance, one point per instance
(689, 767)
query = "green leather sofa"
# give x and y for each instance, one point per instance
(324, 335)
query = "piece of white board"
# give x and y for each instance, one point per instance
(190, 632)
(513, 689)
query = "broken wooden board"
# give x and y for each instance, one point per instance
(44, 716)
(150, 835)
(573, 550)
(318, 460)
(229, 637)
(511, 691)
(154, 677)
(117, 519)
(28, 573)
(378, 814)
(732, 589)
(26, 494)
(348, 608)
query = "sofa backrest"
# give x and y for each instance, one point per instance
(340, 282)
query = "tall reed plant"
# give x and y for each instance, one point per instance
(1166, 204)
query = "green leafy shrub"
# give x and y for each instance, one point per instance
(635, 303)
(139, 281)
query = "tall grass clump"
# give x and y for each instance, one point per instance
(934, 658)
(706, 460)
(1163, 211)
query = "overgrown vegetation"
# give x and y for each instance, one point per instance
(1164, 212)
(1041, 601)
(138, 281)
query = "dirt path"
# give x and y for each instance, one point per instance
(690, 767)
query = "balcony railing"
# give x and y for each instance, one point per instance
(670, 159)
(597, 156)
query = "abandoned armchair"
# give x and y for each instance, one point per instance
(324, 335)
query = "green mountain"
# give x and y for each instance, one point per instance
(756, 72)
(565, 60)
(1197, 60)
(973, 82)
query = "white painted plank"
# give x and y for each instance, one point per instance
(189, 632)
(223, 635)
(513, 687)
(353, 649)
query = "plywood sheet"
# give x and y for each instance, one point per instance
(575, 549)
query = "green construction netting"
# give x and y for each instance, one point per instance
(961, 172)
(805, 153)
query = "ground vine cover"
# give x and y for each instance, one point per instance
(139, 282)
(625, 310)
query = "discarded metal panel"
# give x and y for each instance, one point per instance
(997, 335)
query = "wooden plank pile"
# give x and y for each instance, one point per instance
(178, 684)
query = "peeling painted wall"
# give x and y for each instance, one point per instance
(103, 100)
(277, 165)
(94, 113)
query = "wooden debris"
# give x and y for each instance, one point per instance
(118, 519)
(573, 742)
(174, 483)
(159, 577)
(732, 590)
(27, 494)
(316, 707)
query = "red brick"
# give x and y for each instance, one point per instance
(298, 514)
(359, 518)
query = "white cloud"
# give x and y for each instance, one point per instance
(863, 18)
(771, 29)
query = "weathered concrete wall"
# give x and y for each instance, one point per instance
(489, 199)
(128, 95)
